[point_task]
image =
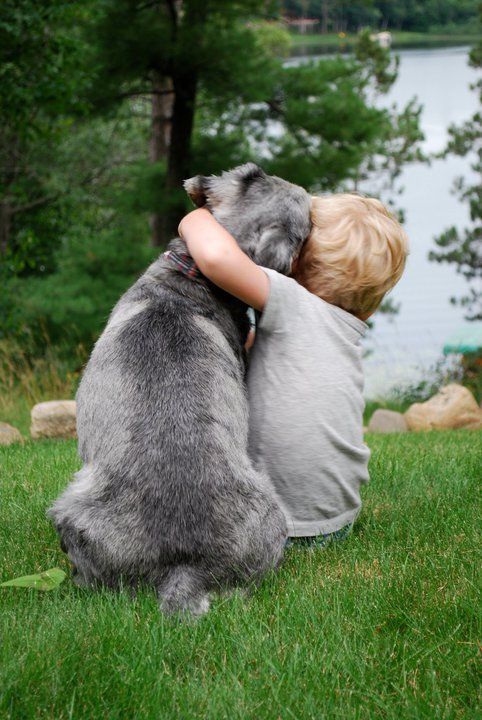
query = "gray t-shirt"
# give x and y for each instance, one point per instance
(305, 385)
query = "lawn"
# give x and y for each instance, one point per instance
(383, 626)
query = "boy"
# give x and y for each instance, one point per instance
(305, 379)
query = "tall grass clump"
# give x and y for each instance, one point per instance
(27, 379)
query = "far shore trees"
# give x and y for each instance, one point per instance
(406, 15)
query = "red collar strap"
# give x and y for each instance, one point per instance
(184, 263)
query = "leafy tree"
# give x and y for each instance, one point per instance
(464, 249)
(40, 77)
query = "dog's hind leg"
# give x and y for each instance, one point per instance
(84, 573)
(184, 591)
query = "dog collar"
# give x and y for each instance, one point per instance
(184, 263)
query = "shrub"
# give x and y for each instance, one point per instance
(70, 306)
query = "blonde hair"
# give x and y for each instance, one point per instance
(355, 252)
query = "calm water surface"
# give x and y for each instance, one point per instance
(404, 349)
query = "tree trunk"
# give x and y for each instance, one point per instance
(184, 85)
(304, 14)
(325, 9)
(5, 226)
(161, 115)
(185, 88)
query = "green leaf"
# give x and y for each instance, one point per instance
(48, 580)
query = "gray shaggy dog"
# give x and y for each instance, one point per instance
(167, 494)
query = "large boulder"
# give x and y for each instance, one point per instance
(54, 419)
(452, 407)
(387, 421)
(9, 434)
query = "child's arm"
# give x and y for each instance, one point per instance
(220, 259)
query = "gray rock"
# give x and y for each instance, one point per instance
(387, 421)
(9, 434)
(54, 419)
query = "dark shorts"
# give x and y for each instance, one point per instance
(320, 541)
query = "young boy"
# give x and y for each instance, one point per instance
(305, 379)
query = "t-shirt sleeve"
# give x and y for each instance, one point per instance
(281, 304)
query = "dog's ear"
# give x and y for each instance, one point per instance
(196, 189)
(276, 250)
(248, 172)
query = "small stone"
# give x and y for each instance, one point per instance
(452, 407)
(387, 421)
(9, 434)
(54, 419)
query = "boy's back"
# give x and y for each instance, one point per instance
(305, 385)
(305, 380)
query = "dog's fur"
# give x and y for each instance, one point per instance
(167, 494)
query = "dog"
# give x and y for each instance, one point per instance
(167, 495)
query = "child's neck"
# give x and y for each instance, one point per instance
(361, 316)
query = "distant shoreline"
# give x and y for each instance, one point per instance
(332, 42)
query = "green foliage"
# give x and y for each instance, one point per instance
(273, 37)
(40, 63)
(93, 270)
(133, 38)
(97, 183)
(377, 62)
(41, 81)
(463, 249)
(325, 140)
(471, 364)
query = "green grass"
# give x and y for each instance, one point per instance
(400, 40)
(382, 626)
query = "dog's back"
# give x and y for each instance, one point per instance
(167, 493)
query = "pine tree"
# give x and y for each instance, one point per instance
(171, 51)
(216, 91)
(464, 248)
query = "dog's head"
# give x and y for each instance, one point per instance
(269, 217)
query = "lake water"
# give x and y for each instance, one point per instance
(404, 349)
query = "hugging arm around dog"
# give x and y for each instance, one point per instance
(305, 384)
